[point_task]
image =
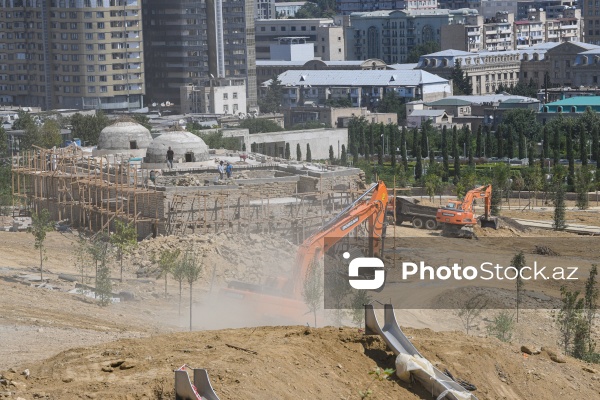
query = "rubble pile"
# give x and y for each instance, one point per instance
(224, 256)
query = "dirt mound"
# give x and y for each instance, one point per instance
(296, 362)
(509, 222)
(248, 258)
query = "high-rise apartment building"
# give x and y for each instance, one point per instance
(590, 12)
(189, 41)
(83, 54)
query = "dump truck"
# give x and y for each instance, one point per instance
(409, 209)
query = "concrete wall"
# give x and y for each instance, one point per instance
(273, 144)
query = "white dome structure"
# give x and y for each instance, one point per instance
(124, 135)
(186, 146)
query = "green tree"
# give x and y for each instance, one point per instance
(461, 82)
(419, 164)
(556, 146)
(568, 317)
(559, 223)
(312, 290)
(488, 143)
(445, 160)
(298, 152)
(271, 101)
(499, 142)
(260, 125)
(391, 102)
(479, 143)
(88, 127)
(308, 153)
(393, 135)
(193, 269)
(420, 50)
(502, 326)
(98, 249)
(403, 148)
(380, 155)
(545, 144)
(103, 283)
(583, 184)
(331, 155)
(433, 182)
(41, 224)
(510, 143)
(518, 262)
(343, 156)
(571, 158)
(469, 146)
(49, 134)
(500, 176)
(31, 137)
(124, 239)
(167, 259)
(288, 154)
(522, 145)
(590, 303)
(455, 154)
(215, 140)
(142, 120)
(3, 142)
(179, 274)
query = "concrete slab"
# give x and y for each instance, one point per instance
(574, 228)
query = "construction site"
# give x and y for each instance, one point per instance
(257, 234)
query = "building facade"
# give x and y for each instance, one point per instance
(188, 41)
(214, 96)
(363, 88)
(265, 9)
(72, 54)
(391, 35)
(287, 10)
(590, 11)
(326, 36)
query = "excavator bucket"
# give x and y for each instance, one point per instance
(492, 222)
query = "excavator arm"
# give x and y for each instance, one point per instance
(371, 211)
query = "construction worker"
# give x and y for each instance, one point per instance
(221, 170)
(229, 169)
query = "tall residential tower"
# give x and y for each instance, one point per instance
(83, 54)
(198, 43)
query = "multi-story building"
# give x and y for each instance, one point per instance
(465, 36)
(590, 12)
(486, 70)
(390, 35)
(347, 7)
(553, 8)
(187, 41)
(265, 9)
(214, 96)
(498, 32)
(71, 54)
(323, 33)
(364, 88)
(287, 10)
(485, 8)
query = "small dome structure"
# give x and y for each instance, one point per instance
(124, 135)
(186, 146)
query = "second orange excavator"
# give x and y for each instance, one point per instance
(458, 218)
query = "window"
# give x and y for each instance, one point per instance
(262, 28)
(235, 95)
(91, 89)
(225, 96)
(90, 68)
(273, 29)
(100, 25)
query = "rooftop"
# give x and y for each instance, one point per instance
(427, 113)
(578, 101)
(359, 78)
(488, 98)
(403, 66)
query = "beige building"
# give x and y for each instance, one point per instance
(72, 54)
(326, 37)
(487, 70)
(465, 37)
(334, 117)
(215, 96)
(498, 32)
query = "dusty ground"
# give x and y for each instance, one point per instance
(65, 339)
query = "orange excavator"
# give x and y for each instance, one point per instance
(457, 217)
(282, 296)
